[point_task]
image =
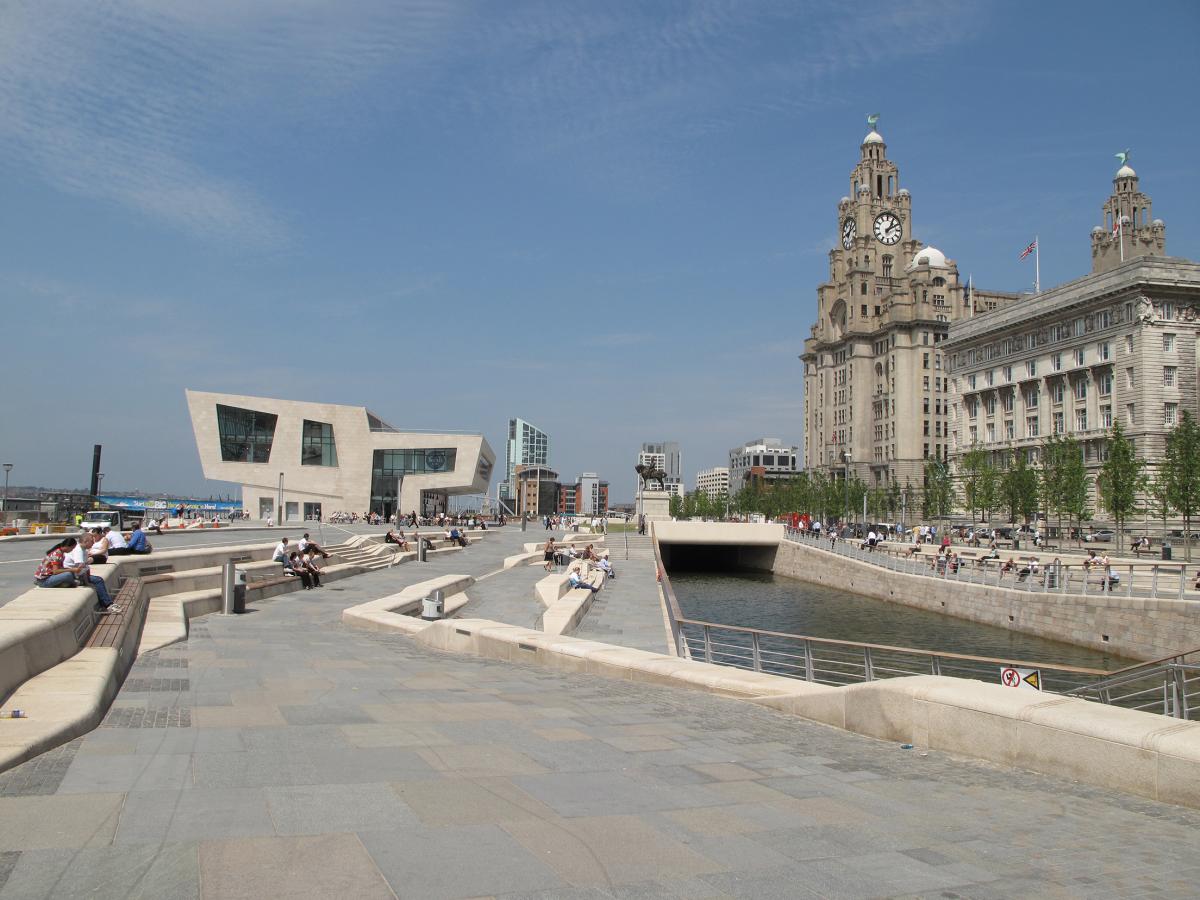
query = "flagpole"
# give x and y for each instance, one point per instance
(1037, 264)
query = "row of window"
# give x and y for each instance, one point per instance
(247, 435)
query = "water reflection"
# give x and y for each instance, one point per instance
(775, 603)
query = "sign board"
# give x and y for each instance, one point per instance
(1016, 677)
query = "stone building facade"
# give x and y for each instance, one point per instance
(876, 384)
(1118, 344)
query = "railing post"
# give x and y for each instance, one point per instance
(1129, 587)
(808, 662)
(1154, 582)
(757, 656)
(1182, 578)
(868, 668)
(936, 665)
(1180, 682)
(707, 645)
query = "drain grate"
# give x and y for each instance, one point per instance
(138, 717)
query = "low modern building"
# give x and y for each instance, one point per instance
(299, 460)
(537, 491)
(713, 482)
(761, 462)
(588, 496)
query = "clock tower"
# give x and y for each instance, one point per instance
(876, 401)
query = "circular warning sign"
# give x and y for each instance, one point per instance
(1010, 677)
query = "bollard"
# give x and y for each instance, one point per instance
(228, 597)
(420, 549)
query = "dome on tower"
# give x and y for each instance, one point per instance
(1126, 172)
(863, 189)
(903, 192)
(873, 137)
(929, 256)
(1097, 230)
(1158, 223)
(843, 201)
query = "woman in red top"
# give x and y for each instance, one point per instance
(50, 573)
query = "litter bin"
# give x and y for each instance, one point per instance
(433, 607)
(1166, 550)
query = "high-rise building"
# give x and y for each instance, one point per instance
(527, 445)
(588, 496)
(664, 455)
(761, 462)
(713, 482)
(876, 384)
(1116, 345)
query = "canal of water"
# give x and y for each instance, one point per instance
(775, 603)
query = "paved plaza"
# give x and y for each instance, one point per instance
(280, 753)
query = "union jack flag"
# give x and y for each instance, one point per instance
(1032, 246)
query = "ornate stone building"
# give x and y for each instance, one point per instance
(1120, 343)
(876, 383)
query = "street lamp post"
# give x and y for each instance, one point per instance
(99, 483)
(846, 482)
(280, 517)
(8, 467)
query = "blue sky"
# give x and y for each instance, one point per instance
(609, 219)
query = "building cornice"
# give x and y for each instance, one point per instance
(1144, 273)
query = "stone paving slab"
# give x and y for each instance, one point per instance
(466, 777)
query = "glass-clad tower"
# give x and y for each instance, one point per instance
(527, 445)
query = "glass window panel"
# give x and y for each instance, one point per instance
(246, 435)
(317, 446)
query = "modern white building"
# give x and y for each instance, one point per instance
(297, 460)
(761, 461)
(527, 445)
(713, 482)
(664, 455)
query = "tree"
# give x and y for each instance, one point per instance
(1064, 480)
(939, 489)
(1019, 488)
(675, 506)
(972, 465)
(1122, 478)
(855, 491)
(1181, 473)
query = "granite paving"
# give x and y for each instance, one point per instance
(316, 760)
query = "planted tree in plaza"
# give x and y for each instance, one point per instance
(1064, 480)
(1181, 473)
(856, 490)
(1019, 488)
(1122, 479)
(979, 482)
(939, 490)
(675, 506)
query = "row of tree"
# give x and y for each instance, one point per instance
(1059, 484)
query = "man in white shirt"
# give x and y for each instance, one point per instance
(76, 561)
(117, 545)
(280, 555)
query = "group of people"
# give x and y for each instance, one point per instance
(301, 561)
(598, 524)
(68, 564)
(555, 554)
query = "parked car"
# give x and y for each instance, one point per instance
(1100, 536)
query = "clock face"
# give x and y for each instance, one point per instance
(887, 228)
(849, 233)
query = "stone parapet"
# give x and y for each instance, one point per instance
(1138, 628)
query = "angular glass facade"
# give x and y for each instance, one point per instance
(388, 465)
(245, 434)
(317, 447)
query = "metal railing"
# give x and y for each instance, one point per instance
(1152, 581)
(1169, 686)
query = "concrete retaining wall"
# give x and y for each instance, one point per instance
(1132, 627)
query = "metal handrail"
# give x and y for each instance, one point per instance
(1162, 582)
